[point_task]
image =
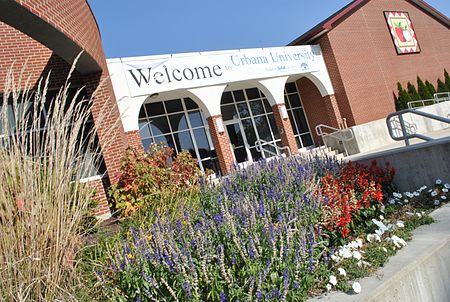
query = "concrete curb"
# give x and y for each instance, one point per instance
(418, 272)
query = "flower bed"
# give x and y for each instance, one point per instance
(277, 231)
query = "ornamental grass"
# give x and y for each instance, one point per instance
(42, 205)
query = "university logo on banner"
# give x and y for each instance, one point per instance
(402, 32)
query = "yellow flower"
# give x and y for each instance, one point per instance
(149, 237)
(130, 256)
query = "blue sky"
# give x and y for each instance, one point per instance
(146, 27)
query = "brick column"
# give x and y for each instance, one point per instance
(332, 110)
(108, 124)
(285, 129)
(134, 140)
(98, 184)
(222, 145)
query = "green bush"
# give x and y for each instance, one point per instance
(154, 180)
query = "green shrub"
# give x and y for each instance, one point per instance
(154, 180)
(423, 91)
(403, 98)
(413, 92)
(441, 87)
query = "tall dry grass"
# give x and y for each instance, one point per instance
(41, 206)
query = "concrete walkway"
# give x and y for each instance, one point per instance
(420, 272)
(399, 144)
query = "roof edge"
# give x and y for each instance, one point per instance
(331, 22)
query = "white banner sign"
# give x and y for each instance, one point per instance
(148, 76)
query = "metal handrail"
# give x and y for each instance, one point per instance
(320, 132)
(405, 135)
(412, 104)
(437, 98)
(260, 143)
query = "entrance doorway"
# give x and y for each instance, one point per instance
(238, 142)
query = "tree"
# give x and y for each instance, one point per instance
(423, 90)
(413, 92)
(441, 87)
(430, 87)
(403, 98)
(447, 79)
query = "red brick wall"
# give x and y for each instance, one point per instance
(74, 18)
(134, 139)
(285, 128)
(221, 145)
(318, 109)
(23, 54)
(367, 66)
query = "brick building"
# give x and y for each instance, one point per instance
(42, 36)
(222, 106)
(362, 60)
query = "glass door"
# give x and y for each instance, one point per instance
(238, 142)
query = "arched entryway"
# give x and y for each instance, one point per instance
(180, 124)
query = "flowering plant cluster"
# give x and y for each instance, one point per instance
(259, 236)
(145, 177)
(357, 190)
(255, 238)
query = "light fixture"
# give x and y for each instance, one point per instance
(284, 114)
(219, 125)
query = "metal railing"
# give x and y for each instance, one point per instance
(260, 148)
(342, 135)
(438, 98)
(396, 119)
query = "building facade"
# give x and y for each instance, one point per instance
(362, 58)
(222, 106)
(39, 37)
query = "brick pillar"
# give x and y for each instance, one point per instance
(332, 110)
(222, 145)
(108, 124)
(134, 140)
(285, 129)
(98, 184)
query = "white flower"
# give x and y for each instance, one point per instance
(419, 215)
(356, 255)
(356, 287)
(430, 190)
(335, 258)
(445, 190)
(409, 194)
(398, 242)
(447, 186)
(438, 181)
(328, 287)
(342, 272)
(384, 249)
(436, 202)
(381, 227)
(416, 194)
(443, 197)
(381, 217)
(360, 242)
(400, 224)
(397, 195)
(434, 193)
(391, 201)
(409, 213)
(333, 280)
(370, 237)
(406, 201)
(422, 188)
(345, 253)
